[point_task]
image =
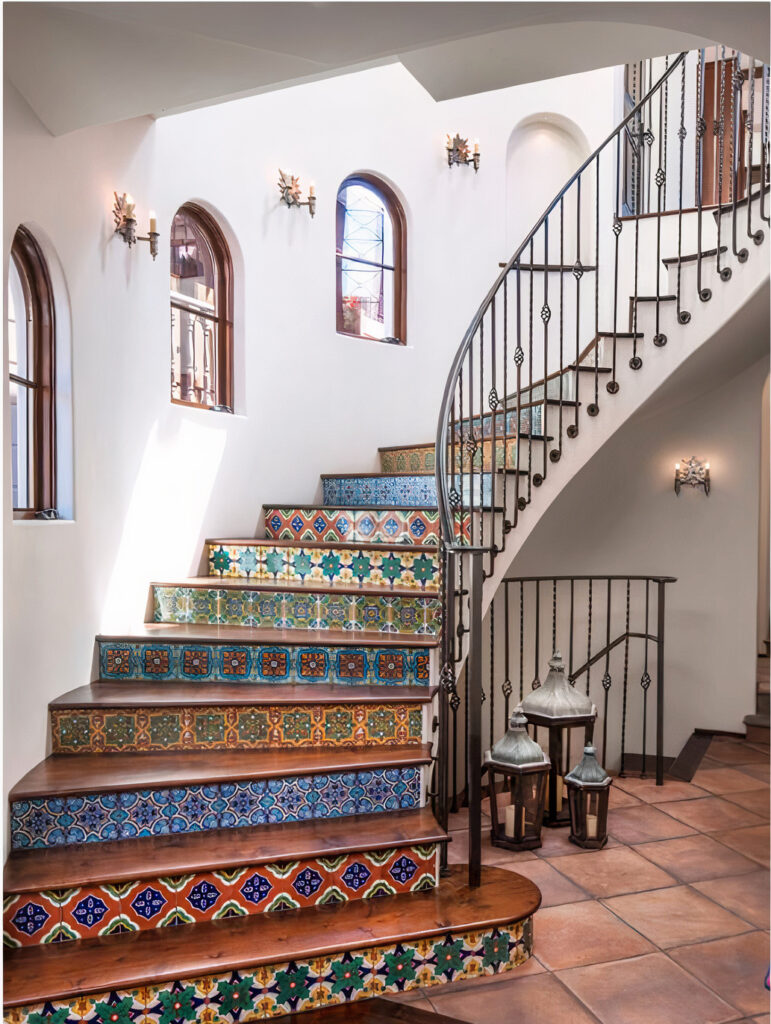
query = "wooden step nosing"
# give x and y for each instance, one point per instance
(522, 435)
(372, 476)
(162, 856)
(322, 507)
(169, 771)
(175, 633)
(239, 943)
(88, 696)
(331, 545)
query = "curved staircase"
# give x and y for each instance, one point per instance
(234, 822)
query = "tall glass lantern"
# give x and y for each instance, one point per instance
(588, 788)
(560, 707)
(517, 811)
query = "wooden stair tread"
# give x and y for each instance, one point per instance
(185, 853)
(176, 693)
(62, 774)
(57, 971)
(204, 633)
(375, 1011)
(523, 435)
(331, 545)
(692, 257)
(346, 476)
(351, 506)
(652, 298)
(620, 334)
(293, 586)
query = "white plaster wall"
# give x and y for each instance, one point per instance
(152, 480)
(634, 523)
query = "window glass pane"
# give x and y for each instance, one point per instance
(367, 229)
(18, 324)
(368, 300)
(22, 443)
(193, 354)
(193, 267)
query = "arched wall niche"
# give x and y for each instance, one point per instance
(543, 152)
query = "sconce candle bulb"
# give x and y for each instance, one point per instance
(693, 472)
(124, 215)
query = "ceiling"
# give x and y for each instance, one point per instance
(81, 64)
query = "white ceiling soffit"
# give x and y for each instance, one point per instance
(80, 64)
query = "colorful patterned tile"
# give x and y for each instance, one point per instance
(149, 903)
(30, 918)
(267, 663)
(90, 911)
(279, 989)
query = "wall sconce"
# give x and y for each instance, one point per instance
(692, 471)
(458, 151)
(289, 187)
(124, 213)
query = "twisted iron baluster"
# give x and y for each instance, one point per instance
(756, 236)
(530, 379)
(480, 464)
(660, 339)
(636, 362)
(724, 272)
(645, 680)
(536, 678)
(736, 86)
(521, 639)
(470, 445)
(589, 641)
(612, 386)
(555, 453)
(666, 128)
(606, 679)
(626, 676)
(538, 478)
(683, 315)
(507, 687)
(570, 633)
(505, 464)
(554, 615)
(519, 357)
(572, 430)
(492, 670)
(705, 294)
(594, 407)
(764, 147)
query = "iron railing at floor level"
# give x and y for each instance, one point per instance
(672, 186)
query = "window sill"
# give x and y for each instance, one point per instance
(25, 520)
(203, 408)
(372, 341)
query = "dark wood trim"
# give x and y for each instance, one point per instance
(223, 306)
(41, 316)
(399, 224)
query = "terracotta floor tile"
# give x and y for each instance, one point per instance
(583, 933)
(756, 800)
(538, 999)
(555, 888)
(415, 995)
(620, 798)
(647, 790)
(763, 1019)
(644, 824)
(457, 852)
(735, 968)
(711, 814)
(672, 917)
(724, 780)
(752, 842)
(645, 990)
(735, 752)
(612, 872)
(458, 821)
(696, 858)
(747, 896)
(757, 771)
(555, 843)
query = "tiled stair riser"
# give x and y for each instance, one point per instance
(265, 663)
(530, 422)
(300, 564)
(396, 490)
(102, 817)
(418, 615)
(260, 727)
(422, 459)
(358, 525)
(277, 990)
(81, 912)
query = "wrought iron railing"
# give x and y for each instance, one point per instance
(675, 179)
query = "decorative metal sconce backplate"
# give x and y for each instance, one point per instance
(458, 152)
(124, 215)
(692, 472)
(291, 193)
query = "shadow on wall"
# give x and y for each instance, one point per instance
(543, 153)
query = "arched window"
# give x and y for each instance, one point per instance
(371, 261)
(32, 377)
(201, 311)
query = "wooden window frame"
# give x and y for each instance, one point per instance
(41, 321)
(223, 306)
(399, 228)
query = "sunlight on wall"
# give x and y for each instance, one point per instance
(164, 518)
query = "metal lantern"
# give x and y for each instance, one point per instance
(588, 787)
(560, 707)
(524, 767)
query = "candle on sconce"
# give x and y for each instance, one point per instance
(677, 467)
(153, 221)
(312, 189)
(476, 146)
